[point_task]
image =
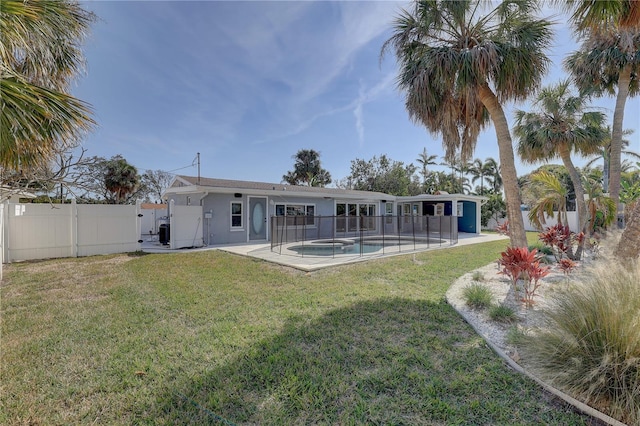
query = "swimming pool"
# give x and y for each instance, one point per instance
(338, 248)
(359, 247)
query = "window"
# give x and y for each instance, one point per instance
(297, 214)
(388, 209)
(353, 213)
(236, 216)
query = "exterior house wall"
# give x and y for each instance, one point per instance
(218, 228)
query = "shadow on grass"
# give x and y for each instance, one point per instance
(391, 361)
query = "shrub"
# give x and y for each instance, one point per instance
(477, 276)
(503, 229)
(567, 266)
(502, 313)
(591, 345)
(477, 296)
(541, 248)
(520, 263)
(561, 240)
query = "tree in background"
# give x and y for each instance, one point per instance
(120, 180)
(605, 155)
(495, 208)
(40, 55)
(384, 175)
(532, 193)
(608, 60)
(425, 160)
(553, 198)
(559, 127)
(485, 171)
(458, 67)
(493, 174)
(307, 170)
(152, 185)
(68, 174)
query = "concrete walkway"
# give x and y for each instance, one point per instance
(312, 263)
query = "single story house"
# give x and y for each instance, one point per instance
(236, 211)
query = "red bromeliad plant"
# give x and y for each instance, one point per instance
(567, 266)
(561, 240)
(532, 280)
(503, 229)
(520, 263)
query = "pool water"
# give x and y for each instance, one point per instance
(338, 249)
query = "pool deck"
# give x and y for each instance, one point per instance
(312, 263)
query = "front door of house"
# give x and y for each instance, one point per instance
(257, 218)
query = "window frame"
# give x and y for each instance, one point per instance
(240, 215)
(291, 220)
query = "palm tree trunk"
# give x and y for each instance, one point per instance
(581, 205)
(624, 79)
(629, 246)
(517, 234)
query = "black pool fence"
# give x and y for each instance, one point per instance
(360, 235)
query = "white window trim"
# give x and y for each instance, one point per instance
(231, 215)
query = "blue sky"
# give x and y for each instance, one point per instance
(248, 84)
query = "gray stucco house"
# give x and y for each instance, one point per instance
(236, 212)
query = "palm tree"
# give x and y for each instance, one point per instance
(553, 198)
(600, 208)
(458, 67)
(121, 179)
(608, 60)
(425, 160)
(605, 155)
(483, 170)
(559, 128)
(40, 54)
(307, 170)
(493, 174)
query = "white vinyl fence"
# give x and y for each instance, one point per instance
(186, 226)
(41, 231)
(572, 218)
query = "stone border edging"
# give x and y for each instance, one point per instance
(581, 406)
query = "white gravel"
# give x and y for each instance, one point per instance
(500, 286)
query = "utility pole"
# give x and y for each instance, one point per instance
(198, 168)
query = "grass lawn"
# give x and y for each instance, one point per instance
(214, 338)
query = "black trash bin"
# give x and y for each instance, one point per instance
(163, 233)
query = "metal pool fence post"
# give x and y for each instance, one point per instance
(382, 220)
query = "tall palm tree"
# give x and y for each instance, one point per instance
(608, 59)
(40, 54)
(477, 171)
(493, 174)
(459, 65)
(483, 170)
(425, 160)
(559, 127)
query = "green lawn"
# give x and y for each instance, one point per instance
(214, 338)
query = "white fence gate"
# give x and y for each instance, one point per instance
(41, 231)
(185, 226)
